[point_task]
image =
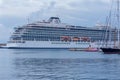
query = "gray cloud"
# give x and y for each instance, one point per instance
(22, 8)
(71, 11)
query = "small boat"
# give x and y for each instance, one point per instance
(92, 49)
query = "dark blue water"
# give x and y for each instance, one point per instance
(58, 65)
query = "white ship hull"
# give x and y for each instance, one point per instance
(55, 45)
(48, 44)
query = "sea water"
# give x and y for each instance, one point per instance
(47, 64)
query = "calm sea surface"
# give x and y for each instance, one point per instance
(57, 65)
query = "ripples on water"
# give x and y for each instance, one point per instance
(58, 65)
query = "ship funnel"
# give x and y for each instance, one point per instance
(54, 20)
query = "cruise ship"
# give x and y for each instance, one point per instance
(53, 34)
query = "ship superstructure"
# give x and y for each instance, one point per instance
(54, 34)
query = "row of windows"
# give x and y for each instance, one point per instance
(60, 28)
(47, 39)
(52, 33)
(63, 32)
(54, 30)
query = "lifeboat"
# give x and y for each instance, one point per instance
(65, 38)
(76, 39)
(91, 49)
(85, 39)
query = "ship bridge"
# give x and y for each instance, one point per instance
(55, 20)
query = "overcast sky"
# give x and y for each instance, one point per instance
(14, 13)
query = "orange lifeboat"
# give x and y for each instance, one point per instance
(76, 39)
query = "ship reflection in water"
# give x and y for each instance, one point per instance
(58, 65)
